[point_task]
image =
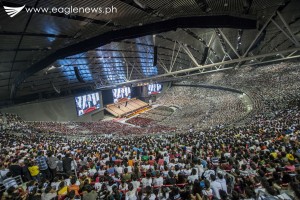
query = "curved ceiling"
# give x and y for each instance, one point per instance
(68, 41)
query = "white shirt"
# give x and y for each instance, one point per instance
(101, 172)
(92, 172)
(216, 186)
(158, 181)
(119, 169)
(223, 184)
(170, 165)
(200, 169)
(123, 187)
(146, 182)
(136, 184)
(129, 169)
(55, 185)
(146, 167)
(130, 195)
(166, 158)
(192, 178)
(207, 174)
(98, 186)
(207, 192)
(187, 172)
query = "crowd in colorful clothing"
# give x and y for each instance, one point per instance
(260, 157)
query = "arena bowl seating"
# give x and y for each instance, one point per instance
(207, 156)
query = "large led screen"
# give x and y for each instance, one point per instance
(87, 103)
(120, 93)
(154, 88)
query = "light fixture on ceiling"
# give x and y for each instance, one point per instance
(51, 68)
(140, 4)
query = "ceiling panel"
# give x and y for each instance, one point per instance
(47, 33)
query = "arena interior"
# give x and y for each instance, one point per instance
(150, 100)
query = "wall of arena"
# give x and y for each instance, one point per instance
(63, 110)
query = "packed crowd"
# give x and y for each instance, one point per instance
(13, 122)
(223, 163)
(82, 128)
(140, 121)
(263, 84)
(260, 157)
(158, 113)
(202, 107)
(273, 83)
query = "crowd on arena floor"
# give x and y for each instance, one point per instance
(140, 121)
(223, 162)
(81, 128)
(158, 113)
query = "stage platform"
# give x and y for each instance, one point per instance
(127, 108)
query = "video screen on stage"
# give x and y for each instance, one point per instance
(154, 88)
(121, 93)
(87, 103)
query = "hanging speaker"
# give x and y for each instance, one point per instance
(78, 76)
(155, 56)
(204, 56)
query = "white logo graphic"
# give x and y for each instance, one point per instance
(13, 11)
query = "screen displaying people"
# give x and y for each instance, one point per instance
(154, 88)
(87, 103)
(120, 93)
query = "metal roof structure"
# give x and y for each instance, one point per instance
(144, 40)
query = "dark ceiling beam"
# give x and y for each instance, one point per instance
(68, 84)
(16, 61)
(47, 83)
(27, 49)
(61, 15)
(223, 21)
(107, 59)
(9, 71)
(34, 34)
